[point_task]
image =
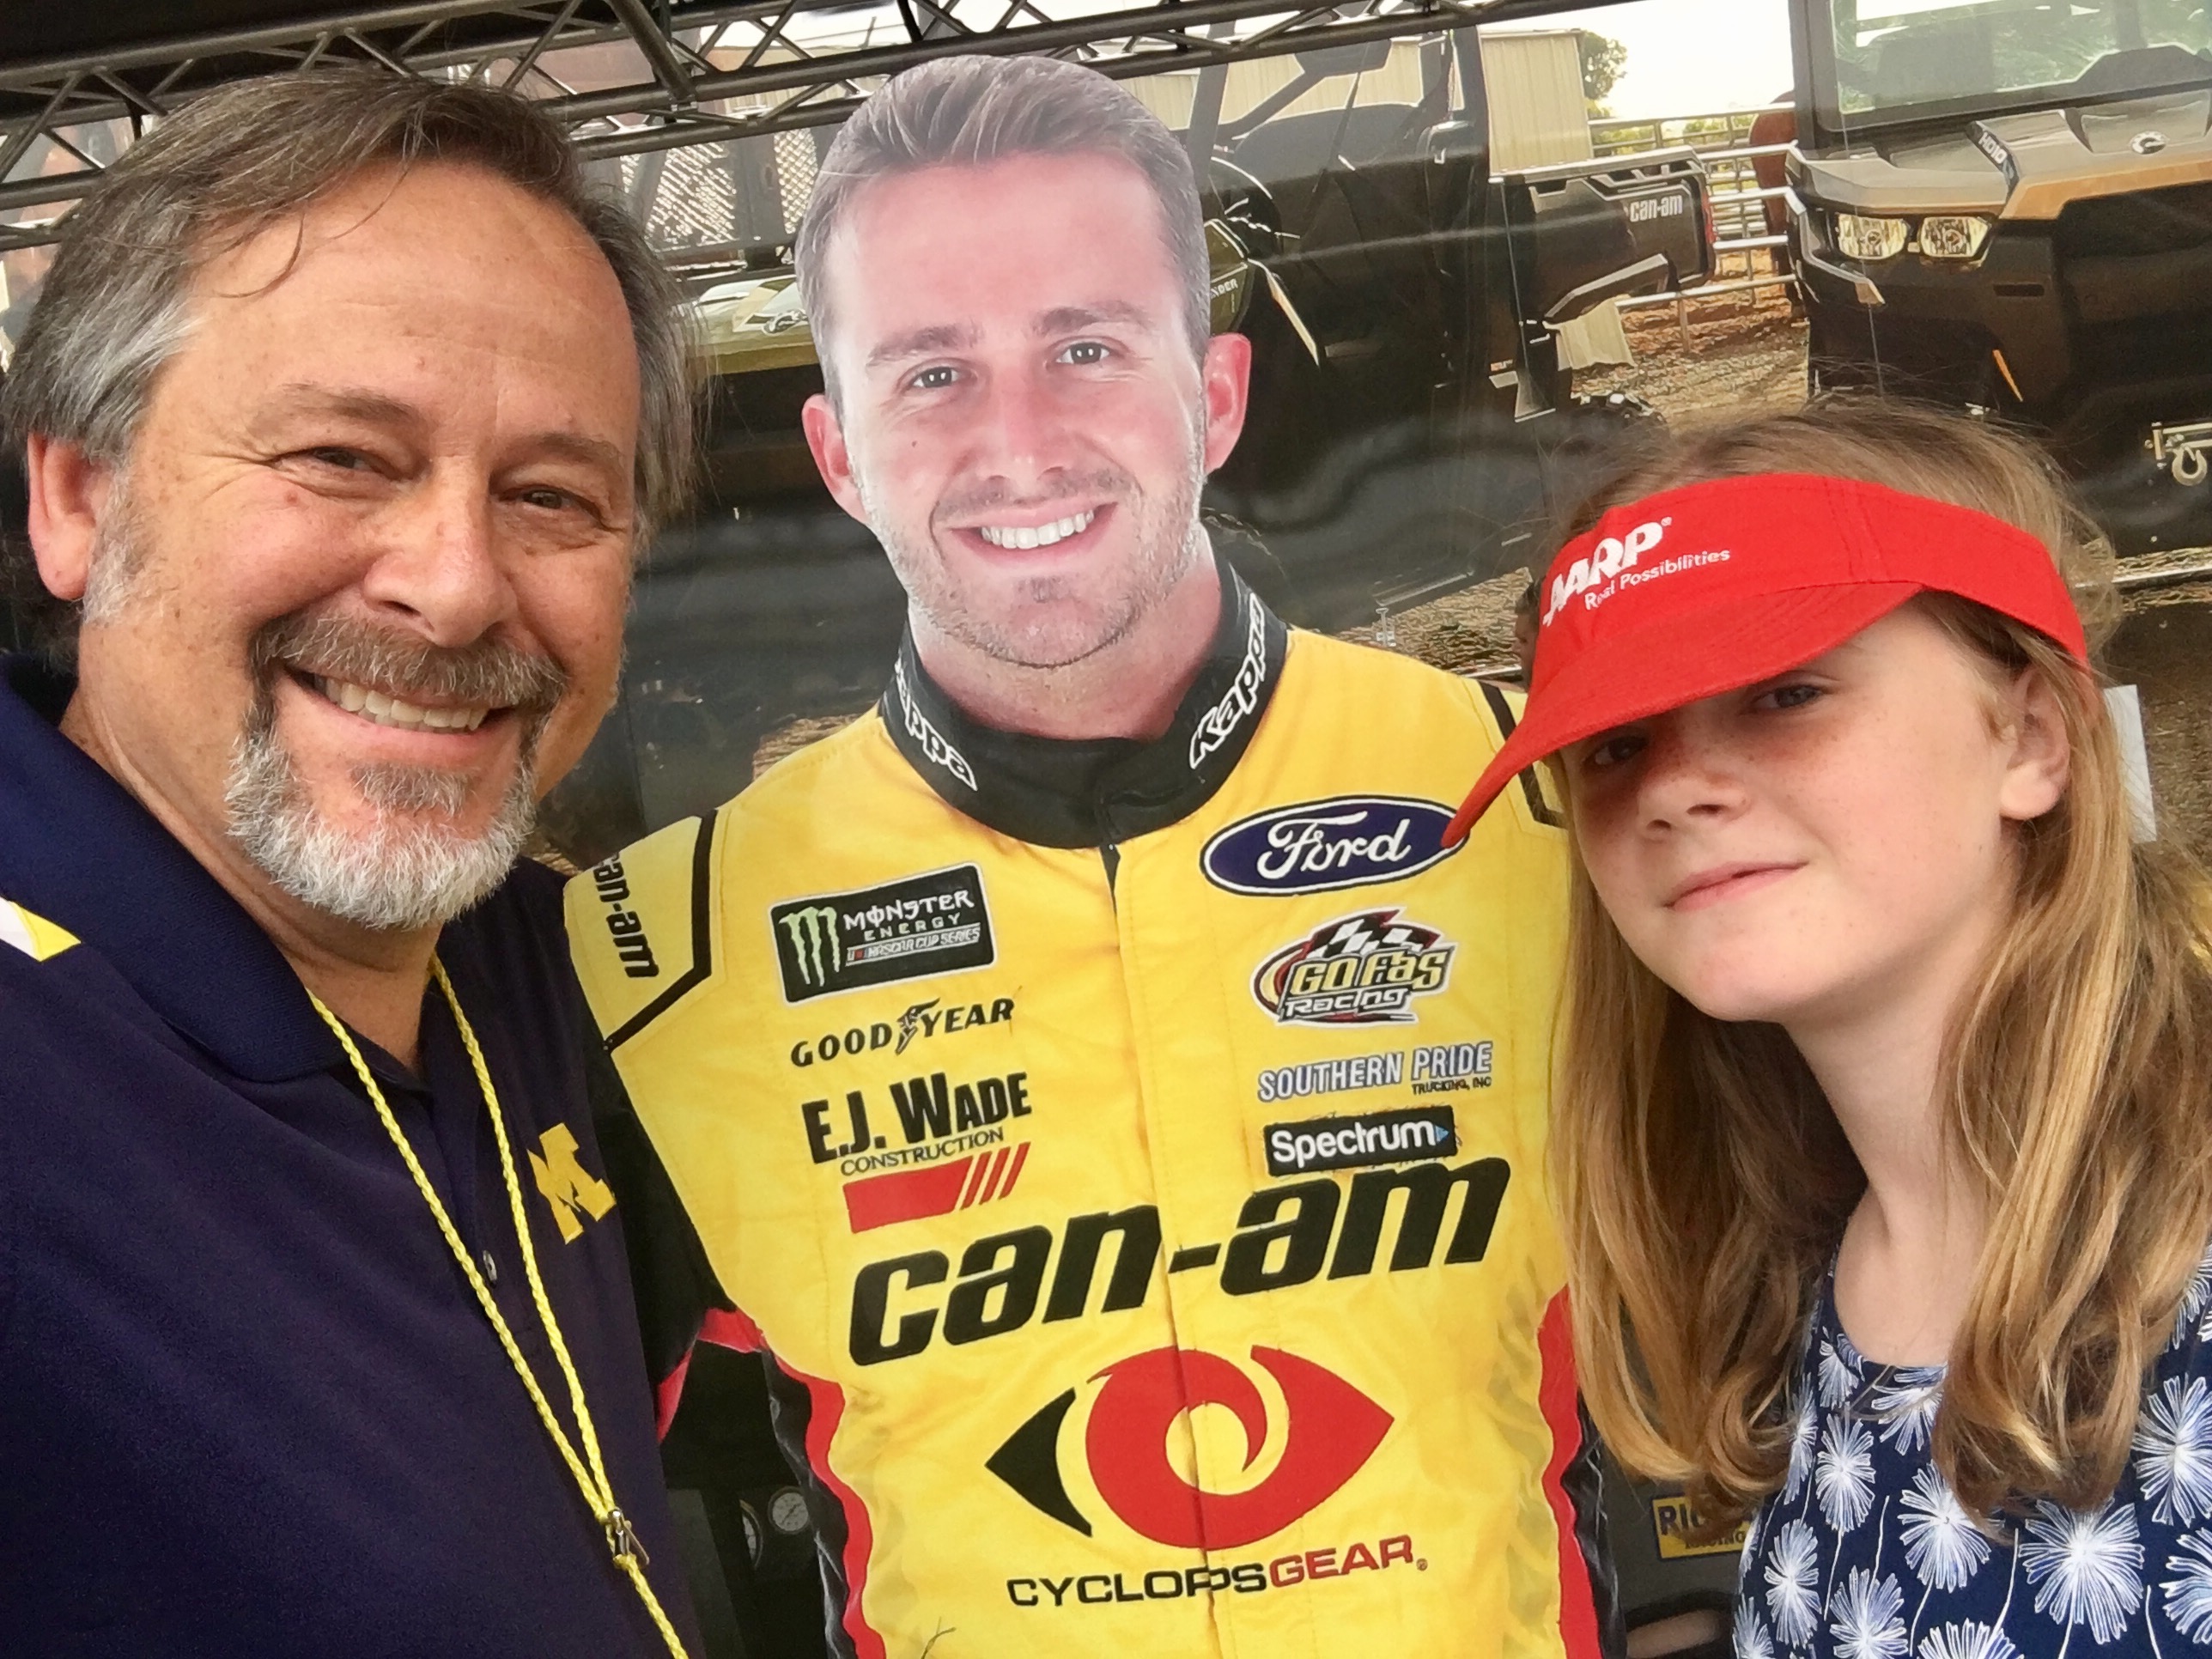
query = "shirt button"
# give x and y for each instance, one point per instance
(491, 1269)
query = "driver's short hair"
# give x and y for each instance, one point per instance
(971, 111)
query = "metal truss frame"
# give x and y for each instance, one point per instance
(687, 71)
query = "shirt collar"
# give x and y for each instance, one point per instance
(1098, 792)
(78, 849)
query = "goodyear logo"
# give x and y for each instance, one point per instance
(911, 929)
(1675, 1524)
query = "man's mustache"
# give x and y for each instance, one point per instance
(486, 671)
(1109, 482)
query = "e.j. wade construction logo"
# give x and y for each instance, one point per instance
(924, 925)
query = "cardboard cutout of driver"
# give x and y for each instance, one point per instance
(1117, 1114)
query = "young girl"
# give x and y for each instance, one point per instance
(1885, 1128)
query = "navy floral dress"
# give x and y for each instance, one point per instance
(1865, 1553)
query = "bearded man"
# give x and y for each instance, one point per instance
(1117, 1115)
(343, 410)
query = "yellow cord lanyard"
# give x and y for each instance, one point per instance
(599, 1492)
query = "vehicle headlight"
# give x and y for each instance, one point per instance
(1952, 235)
(1863, 238)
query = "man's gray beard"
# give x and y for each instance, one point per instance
(1168, 541)
(403, 872)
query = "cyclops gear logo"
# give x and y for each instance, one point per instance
(911, 929)
(1320, 846)
(1329, 1431)
(1362, 969)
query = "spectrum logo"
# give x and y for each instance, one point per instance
(1329, 1431)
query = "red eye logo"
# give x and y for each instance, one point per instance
(1330, 1430)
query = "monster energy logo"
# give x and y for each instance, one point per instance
(813, 930)
(910, 929)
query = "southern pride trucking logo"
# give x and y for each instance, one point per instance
(1363, 970)
(925, 925)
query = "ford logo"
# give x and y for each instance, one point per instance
(1320, 846)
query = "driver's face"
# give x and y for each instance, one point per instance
(1022, 418)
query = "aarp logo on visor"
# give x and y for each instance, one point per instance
(1602, 563)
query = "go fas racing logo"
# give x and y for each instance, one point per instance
(1361, 969)
(1322, 1434)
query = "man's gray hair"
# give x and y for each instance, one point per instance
(969, 111)
(116, 304)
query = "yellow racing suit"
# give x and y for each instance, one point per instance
(1137, 1152)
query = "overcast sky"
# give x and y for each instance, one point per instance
(1687, 56)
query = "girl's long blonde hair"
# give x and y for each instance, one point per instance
(1704, 1182)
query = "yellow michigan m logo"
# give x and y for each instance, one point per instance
(572, 1190)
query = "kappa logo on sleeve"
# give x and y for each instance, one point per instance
(911, 929)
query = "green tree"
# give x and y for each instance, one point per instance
(1604, 59)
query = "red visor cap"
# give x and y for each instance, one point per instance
(1717, 585)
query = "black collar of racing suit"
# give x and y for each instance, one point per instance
(1095, 792)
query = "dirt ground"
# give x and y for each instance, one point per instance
(2164, 648)
(1744, 353)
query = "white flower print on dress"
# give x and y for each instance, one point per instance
(1942, 1545)
(2188, 1592)
(1966, 1640)
(2196, 1314)
(2173, 1450)
(2087, 1567)
(1843, 1474)
(1793, 1570)
(1906, 1410)
(1838, 1382)
(1802, 1439)
(1867, 1619)
(1749, 1636)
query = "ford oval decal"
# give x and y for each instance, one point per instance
(1320, 846)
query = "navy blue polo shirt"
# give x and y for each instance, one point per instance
(248, 1404)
